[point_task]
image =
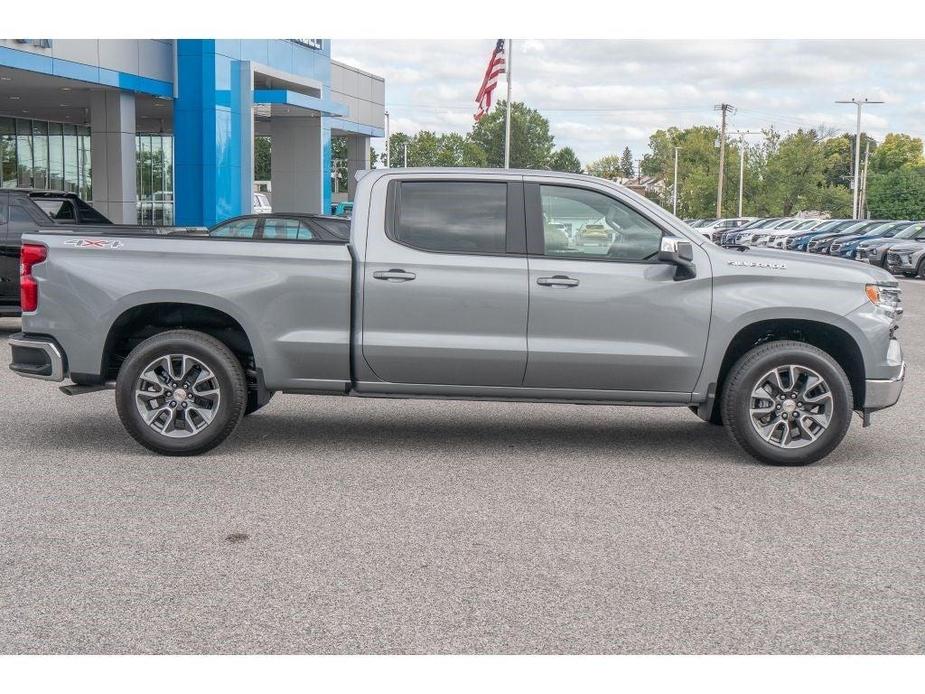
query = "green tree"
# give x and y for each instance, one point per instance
(698, 169)
(531, 142)
(427, 148)
(896, 151)
(565, 160)
(606, 167)
(339, 163)
(898, 194)
(262, 158)
(795, 173)
(626, 163)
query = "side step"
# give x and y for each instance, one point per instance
(74, 389)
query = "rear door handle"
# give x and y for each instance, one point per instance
(557, 281)
(394, 275)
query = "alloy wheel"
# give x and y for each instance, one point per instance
(791, 406)
(177, 395)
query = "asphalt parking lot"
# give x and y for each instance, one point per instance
(337, 525)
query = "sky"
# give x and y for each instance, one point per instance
(601, 96)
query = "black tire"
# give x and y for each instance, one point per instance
(228, 374)
(746, 375)
(253, 403)
(921, 272)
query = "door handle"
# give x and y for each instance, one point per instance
(394, 275)
(557, 281)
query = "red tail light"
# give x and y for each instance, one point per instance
(30, 255)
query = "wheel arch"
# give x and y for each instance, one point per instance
(142, 320)
(831, 339)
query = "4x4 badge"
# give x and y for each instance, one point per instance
(94, 243)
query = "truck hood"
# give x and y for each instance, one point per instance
(783, 264)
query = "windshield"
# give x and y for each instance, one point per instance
(805, 225)
(829, 226)
(910, 231)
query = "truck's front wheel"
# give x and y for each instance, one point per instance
(787, 403)
(181, 392)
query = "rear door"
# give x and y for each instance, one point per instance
(605, 314)
(445, 283)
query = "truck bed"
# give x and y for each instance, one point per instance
(292, 298)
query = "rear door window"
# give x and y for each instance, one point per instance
(452, 216)
(236, 229)
(58, 210)
(286, 229)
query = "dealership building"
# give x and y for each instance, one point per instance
(163, 131)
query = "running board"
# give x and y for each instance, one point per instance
(74, 389)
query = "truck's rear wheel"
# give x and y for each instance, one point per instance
(787, 403)
(181, 392)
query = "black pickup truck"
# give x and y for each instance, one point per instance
(26, 211)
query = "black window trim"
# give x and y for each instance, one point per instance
(535, 233)
(515, 232)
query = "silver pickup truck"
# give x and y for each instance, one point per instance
(477, 284)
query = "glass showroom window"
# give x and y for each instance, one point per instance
(45, 156)
(154, 179)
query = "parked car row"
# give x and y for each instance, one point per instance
(892, 244)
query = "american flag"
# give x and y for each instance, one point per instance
(497, 66)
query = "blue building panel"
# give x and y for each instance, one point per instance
(213, 97)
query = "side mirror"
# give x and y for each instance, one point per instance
(680, 253)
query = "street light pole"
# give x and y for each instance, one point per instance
(388, 137)
(406, 155)
(856, 179)
(674, 187)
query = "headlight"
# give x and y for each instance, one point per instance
(885, 296)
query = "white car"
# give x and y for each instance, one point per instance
(262, 204)
(726, 224)
(777, 238)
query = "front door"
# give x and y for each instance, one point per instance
(445, 283)
(605, 314)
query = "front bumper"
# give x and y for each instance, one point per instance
(37, 357)
(885, 392)
(882, 394)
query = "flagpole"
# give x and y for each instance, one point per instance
(507, 115)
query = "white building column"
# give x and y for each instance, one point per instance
(112, 148)
(357, 160)
(296, 170)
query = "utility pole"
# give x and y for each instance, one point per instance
(388, 147)
(856, 180)
(508, 61)
(674, 187)
(638, 171)
(405, 145)
(725, 108)
(741, 134)
(863, 203)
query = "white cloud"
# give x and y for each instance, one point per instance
(601, 96)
